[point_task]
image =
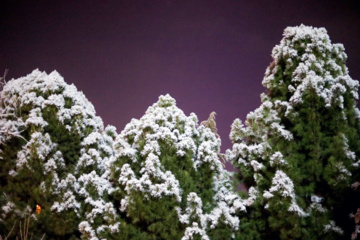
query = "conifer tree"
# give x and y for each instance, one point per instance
(53, 150)
(297, 152)
(168, 180)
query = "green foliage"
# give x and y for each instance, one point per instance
(162, 177)
(168, 180)
(45, 126)
(297, 153)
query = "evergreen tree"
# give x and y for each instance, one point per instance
(168, 180)
(298, 151)
(53, 150)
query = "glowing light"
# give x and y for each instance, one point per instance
(38, 209)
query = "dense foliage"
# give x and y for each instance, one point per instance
(168, 180)
(162, 177)
(298, 151)
(52, 154)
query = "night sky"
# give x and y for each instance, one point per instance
(208, 55)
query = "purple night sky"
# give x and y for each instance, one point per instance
(210, 55)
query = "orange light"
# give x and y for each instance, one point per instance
(38, 209)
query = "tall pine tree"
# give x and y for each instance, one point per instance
(168, 180)
(298, 151)
(53, 150)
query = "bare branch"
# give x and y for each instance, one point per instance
(355, 185)
(7, 237)
(210, 123)
(11, 133)
(3, 79)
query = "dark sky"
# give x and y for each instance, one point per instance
(209, 55)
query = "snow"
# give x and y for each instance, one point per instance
(282, 183)
(256, 165)
(194, 230)
(324, 74)
(332, 227)
(35, 118)
(253, 194)
(140, 144)
(164, 126)
(294, 207)
(277, 159)
(85, 227)
(306, 65)
(41, 144)
(7, 208)
(39, 92)
(69, 202)
(316, 199)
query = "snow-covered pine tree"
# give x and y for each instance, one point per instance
(169, 182)
(53, 150)
(298, 150)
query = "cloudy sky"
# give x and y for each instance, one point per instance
(210, 55)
